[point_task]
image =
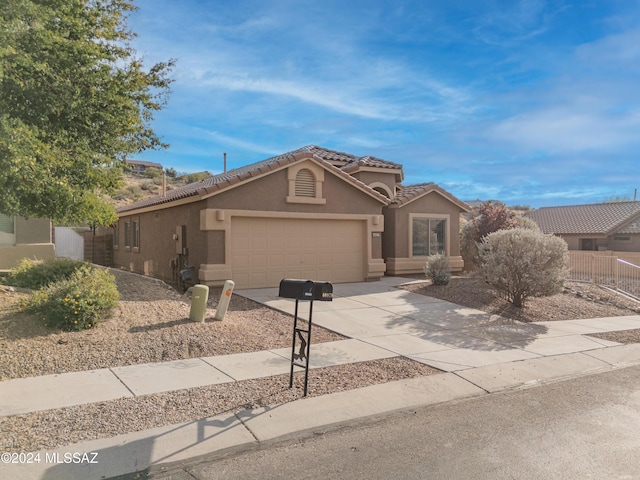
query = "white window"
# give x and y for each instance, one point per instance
(7, 230)
(428, 236)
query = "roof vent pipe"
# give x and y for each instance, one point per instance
(164, 184)
(225, 162)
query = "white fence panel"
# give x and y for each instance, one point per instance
(69, 243)
(607, 270)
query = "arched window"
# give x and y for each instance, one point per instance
(305, 183)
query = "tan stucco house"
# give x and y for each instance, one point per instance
(21, 237)
(311, 213)
(601, 226)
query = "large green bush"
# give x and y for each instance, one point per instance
(77, 303)
(521, 263)
(35, 274)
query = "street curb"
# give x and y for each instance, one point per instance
(159, 450)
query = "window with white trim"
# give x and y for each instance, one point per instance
(428, 236)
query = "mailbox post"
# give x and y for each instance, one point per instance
(303, 290)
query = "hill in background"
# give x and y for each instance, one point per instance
(139, 186)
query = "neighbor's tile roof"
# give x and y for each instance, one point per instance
(225, 180)
(633, 227)
(599, 218)
(408, 193)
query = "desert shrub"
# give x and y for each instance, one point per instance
(148, 185)
(35, 274)
(521, 263)
(153, 172)
(469, 247)
(135, 191)
(526, 222)
(76, 303)
(195, 177)
(437, 269)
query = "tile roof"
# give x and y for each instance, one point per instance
(408, 193)
(225, 180)
(598, 219)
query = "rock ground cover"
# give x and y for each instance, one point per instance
(151, 325)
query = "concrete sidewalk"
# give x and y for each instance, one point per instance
(479, 353)
(439, 333)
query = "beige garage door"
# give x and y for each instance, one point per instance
(266, 250)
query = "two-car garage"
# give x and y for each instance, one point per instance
(266, 250)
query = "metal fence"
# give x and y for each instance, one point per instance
(607, 269)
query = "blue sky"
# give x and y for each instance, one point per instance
(528, 102)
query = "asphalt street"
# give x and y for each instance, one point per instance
(586, 427)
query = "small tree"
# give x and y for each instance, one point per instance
(437, 269)
(521, 263)
(492, 216)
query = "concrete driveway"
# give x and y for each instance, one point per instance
(441, 334)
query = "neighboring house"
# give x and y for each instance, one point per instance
(21, 237)
(602, 226)
(138, 166)
(311, 213)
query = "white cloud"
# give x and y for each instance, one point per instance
(243, 144)
(515, 23)
(562, 130)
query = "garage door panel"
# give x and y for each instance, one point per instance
(258, 261)
(276, 260)
(258, 278)
(265, 250)
(292, 260)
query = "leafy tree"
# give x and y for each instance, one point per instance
(521, 263)
(491, 217)
(74, 102)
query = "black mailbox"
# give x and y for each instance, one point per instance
(306, 290)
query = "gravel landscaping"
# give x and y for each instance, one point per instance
(578, 300)
(151, 325)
